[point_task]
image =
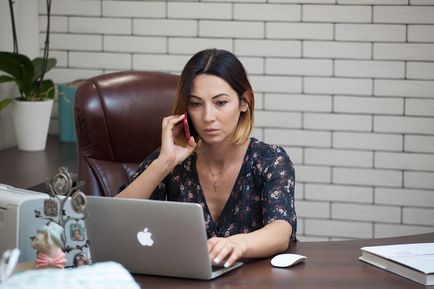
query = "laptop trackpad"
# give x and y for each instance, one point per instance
(219, 270)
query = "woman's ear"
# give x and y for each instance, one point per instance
(243, 105)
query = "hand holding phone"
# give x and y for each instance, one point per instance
(186, 128)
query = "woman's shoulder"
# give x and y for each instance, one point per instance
(261, 149)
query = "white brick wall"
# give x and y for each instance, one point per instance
(346, 87)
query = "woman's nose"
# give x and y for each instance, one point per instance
(209, 115)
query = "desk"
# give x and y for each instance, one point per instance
(29, 169)
(329, 265)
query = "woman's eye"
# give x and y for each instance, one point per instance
(194, 104)
(221, 102)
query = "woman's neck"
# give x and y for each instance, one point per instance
(219, 156)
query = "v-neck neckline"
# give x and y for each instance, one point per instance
(229, 203)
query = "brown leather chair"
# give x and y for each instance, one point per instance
(118, 123)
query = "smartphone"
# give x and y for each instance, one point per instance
(186, 128)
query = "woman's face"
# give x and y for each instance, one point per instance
(214, 108)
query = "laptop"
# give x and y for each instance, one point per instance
(151, 237)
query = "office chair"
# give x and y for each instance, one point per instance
(118, 123)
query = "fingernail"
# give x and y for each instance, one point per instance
(227, 265)
(217, 260)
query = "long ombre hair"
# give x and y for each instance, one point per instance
(223, 64)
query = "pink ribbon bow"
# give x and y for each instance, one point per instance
(58, 261)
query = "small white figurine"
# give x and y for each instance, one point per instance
(48, 244)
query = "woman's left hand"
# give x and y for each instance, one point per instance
(228, 250)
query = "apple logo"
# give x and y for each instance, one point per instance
(144, 237)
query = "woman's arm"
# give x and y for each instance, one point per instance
(170, 156)
(267, 241)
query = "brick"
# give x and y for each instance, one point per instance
(165, 27)
(76, 7)
(295, 154)
(371, 69)
(61, 57)
(418, 216)
(371, 32)
(404, 124)
(135, 44)
(64, 75)
(309, 209)
(345, 229)
(339, 193)
(100, 60)
(373, 2)
(403, 14)
(421, 2)
(419, 143)
(420, 33)
(57, 24)
(140, 9)
(314, 174)
(276, 83)
(298, 102)
(299, 31)
(404, 197)
(318, 67)
(267, 12)
(369, 177)
(336, 13)
(199, 10)
(75, 42)
(298, 137)
(334, 157)
(411, 88)
(369, 105)
(253, 65)
(336, 122)
(404, 161)
(192, 45)
(338, 50)
(276, 119)
(404, 51)
(329, 85)
(298, 1)
(238, 29)
(394, 230)
(363, 212)
(298, 190)
(419, 180)
(421, 107)
(420, 70)
(261, 47)
(160, 62)
(369, 141)
(100, 25)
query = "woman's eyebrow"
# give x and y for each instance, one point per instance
(215, 96)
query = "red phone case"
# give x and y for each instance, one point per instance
(186, 128)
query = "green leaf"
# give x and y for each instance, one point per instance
(6, 78)
(19, 67)
(37, 64)
(47, 89)
(5, 102)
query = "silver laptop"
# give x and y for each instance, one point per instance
(151, 237)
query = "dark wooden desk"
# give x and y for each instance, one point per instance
(27, 170)
(329, 265)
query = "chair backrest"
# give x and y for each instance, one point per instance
(118, 123)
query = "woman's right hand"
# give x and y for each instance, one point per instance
(171, 153)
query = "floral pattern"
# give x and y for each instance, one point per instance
(263, 191)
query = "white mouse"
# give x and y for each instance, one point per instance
(286, 260)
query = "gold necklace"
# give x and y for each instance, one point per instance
(214, 178)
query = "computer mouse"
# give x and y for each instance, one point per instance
(287, 260)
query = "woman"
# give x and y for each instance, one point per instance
(245, 186)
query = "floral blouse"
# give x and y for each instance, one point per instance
(263, 191)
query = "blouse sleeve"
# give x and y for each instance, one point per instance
(160, 192)
(278, 193)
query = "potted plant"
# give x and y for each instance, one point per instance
(32, 108)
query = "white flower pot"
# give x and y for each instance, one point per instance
(31, 120)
